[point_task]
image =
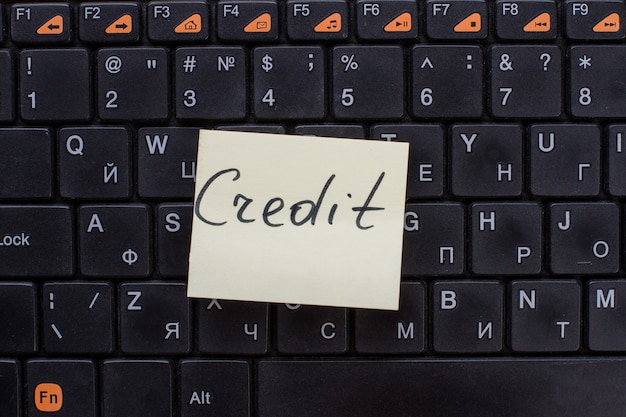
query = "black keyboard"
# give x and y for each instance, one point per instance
(512, 300)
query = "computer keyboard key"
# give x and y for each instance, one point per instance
(486, 160)
(456, 19)
(154, 318)
(594, 19)
(36, 241)
(41, 23)
(525, 81)
(136, 388)
(166, 162)
(214, 387)
(7, 85)
(114, 240)
(309, 330)
(211, 83)
(2, 25)
(606, 315)
(506, 238)
(433, 243)
(468, 316)
(77, 317)
(332, 130)
(526, 20)
(564, 159)
(94, 163)
(281, 70)
(368, 82)
(385, 20)
(18, 312)
(320, 20)
(133, 83)
(247, 21)
(278, 129)
(61, 386)
(615, 162)
(178, 21)
(26, 164)
(232, 327)
(545, 315)
(401, 331)
(584, 238)
(173, 238)
(10, 388)
(55, 85)
(447, 81)
(111, 23)
(593, 89)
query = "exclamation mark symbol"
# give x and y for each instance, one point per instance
(29, 69)
(51, 301)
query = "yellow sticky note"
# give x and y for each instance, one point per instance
(298, 220)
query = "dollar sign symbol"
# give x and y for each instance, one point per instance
(267, 63)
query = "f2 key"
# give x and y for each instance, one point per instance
(456, 19)
(594, 19)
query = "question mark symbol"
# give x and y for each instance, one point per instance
(545, 58)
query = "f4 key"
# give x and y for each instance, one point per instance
(526, 19)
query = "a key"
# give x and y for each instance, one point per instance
(109, 23)
(173, 238)
(114, 240)
(336, 131)
(594, 19)
(211, 83)
(46, 23)
(77, 317)
(166, 162)
(468, 316)
(94, 163)
(247, 21)
(18, 312)
(447, 81)
(10, 388)
(616, 160)
(233, 327)
(55, 85)
(545, 315)
(311, 329)
(281, 71)
(386, 19)
(317, 21)
(526, 19)
(178, 21)
(7, 85)
(456, 19)
(584, 238)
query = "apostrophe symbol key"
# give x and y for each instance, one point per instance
(193, 24)
(331, 24)
(402, 23)
(122, 25)
(261, 24)
(53, 26)
(609, 24)
(471, 24)
(540, 23)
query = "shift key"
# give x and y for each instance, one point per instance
(36, 240)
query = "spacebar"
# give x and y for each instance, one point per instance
(585, 387)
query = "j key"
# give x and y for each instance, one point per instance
(211, 83)
(616, 161)
(136, 388)
(526, 81)
(178, 21)
(365, 89)
(221, 387)
(317, 21)
(565, 160)
(593, 69)
(55, 85)
(545, 316)
(247, 21)
(526, 19)
(311, 329)
(386, 20)
(506, 238)
(10, 388)
(233, 327)
(109, 22)
(18, 333)
(154, 318)
(584, 238)
(67, 387)
(47, 23)
(78, 317)
(26, 169)
(281, 71)
(7, 85)
(167, 162)
(133, 84)
(433, 239)
(94, 163)
(36, 241)
(594, 19)
(606, 315)
(456, 19)
(468, 316)
(337, 131)
(114, 240)
(173, 238)
(447, 81)
(399, 331)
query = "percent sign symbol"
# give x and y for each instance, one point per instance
(351, 64)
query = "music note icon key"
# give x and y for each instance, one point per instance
(330, 24)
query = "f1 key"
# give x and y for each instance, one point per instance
(456, 19)
(594, 19)
(254, 21)
(109, 22)
(526, 19)
(40, 23)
